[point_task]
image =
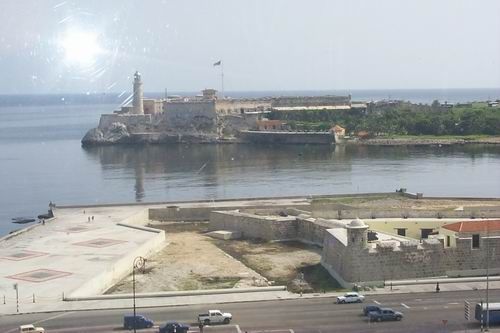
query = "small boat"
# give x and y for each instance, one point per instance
(22, 220)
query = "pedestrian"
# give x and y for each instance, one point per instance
(88, 218)
(92, 217)
(437, 287)
(43, 221)
(84, 211)
(200, 326)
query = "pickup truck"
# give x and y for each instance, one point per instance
(385, 314)
(31, 329)
(214, 317)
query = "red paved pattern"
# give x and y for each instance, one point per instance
(99, 242)
(22, 255)
(39, 275)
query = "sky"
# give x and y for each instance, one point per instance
(96, 46)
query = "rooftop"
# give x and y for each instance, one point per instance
(474, 226)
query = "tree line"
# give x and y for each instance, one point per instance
(402, 119)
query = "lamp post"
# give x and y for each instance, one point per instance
(481, 302)
(139, 263)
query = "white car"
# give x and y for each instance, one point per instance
(31, 329)
(351, 298)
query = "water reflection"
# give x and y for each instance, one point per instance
(177, 172)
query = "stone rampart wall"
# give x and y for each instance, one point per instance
(329, 211)
(253, 226)
(311, 101)
(199, 116)
(412, 260)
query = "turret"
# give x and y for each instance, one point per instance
(137, 106)
(357, 233)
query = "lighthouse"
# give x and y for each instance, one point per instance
(137, 106)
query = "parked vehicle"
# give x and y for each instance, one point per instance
(215, 317)
(140, 322)
(351, 298)
(494, 313)
(31, 329)
(371, 308)
(173, 327)
(385, 314)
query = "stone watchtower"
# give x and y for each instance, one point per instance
(357, 234)
(137, 106)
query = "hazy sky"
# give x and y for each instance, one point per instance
(95, 46)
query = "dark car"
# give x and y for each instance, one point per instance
(385, 314)
(173, 327)
(371, 308)
(140, 322)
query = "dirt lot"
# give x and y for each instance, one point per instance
(284, 263)
(190, 261)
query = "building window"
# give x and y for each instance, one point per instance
(401, 232)
(424, 234)
(448, 241)
(475, 241)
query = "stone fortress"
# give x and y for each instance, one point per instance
(370, 245)
(209, 119)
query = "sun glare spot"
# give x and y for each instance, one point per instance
(80, 47)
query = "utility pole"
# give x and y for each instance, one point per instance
(487, 276)
(16, 287)
(139, 263)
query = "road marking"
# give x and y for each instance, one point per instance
(425, 308)
(418, 299)
(376, 302)
(53, 317)
(446, 307)
(291, 331)
(454, 303)
(238, 329)
(406, 306)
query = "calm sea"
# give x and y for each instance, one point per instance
(41, 160)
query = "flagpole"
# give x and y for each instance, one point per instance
(222, 78)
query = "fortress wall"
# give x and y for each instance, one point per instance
(287, 137)
(330, 211)
(311, 101)
(427, 259)
(191, 115)
(129, 120)
(233, 124)
(253, 226)
(311, 231)
(175, 213)
(233, 106)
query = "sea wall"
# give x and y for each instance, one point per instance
(324, 138)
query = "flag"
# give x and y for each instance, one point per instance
(218, 63)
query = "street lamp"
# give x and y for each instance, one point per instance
(139, 263)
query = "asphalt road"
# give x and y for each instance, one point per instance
(424, 312)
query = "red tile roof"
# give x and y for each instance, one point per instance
(474, 226)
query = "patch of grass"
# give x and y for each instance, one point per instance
(218, 282)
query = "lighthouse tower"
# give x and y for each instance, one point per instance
(137, 105)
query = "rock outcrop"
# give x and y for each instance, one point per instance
(116, 133)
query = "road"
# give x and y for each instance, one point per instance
(424, 312)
